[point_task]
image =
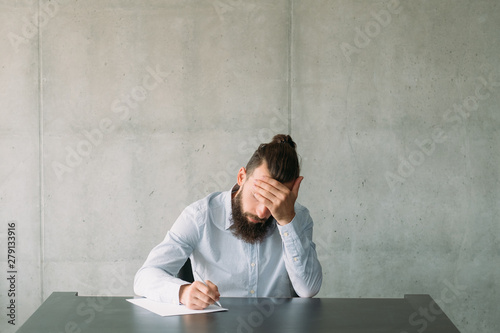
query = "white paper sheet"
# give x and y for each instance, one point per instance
(166, 309)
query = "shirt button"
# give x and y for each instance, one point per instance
(253, 264)
(296, 259)
(286, 234)
(252, 291)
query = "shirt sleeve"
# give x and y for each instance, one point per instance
(156, 278)
(299, 253)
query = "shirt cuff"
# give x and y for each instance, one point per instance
(171, 293)
(290, 240)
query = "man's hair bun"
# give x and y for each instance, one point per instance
(284, 139)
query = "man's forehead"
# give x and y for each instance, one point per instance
(261, 171)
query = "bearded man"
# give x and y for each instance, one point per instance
(252, 241)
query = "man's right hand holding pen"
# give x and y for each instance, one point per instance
(199, 295)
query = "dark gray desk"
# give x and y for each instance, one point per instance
(66, 312)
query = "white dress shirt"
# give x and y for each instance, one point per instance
(285, 259)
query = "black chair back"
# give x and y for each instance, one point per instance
(186, 272)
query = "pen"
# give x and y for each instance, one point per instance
(198, 277)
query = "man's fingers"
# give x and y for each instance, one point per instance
(194, 298)
(268, 191)
(265, 199)
(270, 184)
(196, 304)
(213, 290)
(198, 295)
(208, 293)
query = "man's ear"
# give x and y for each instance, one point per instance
(242, 175)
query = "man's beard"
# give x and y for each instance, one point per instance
(242, 228)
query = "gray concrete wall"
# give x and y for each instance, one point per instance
(117, 114)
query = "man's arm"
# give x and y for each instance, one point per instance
(299, 253)
(155, 279)
(295, 225)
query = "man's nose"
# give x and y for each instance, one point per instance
(263, 212)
